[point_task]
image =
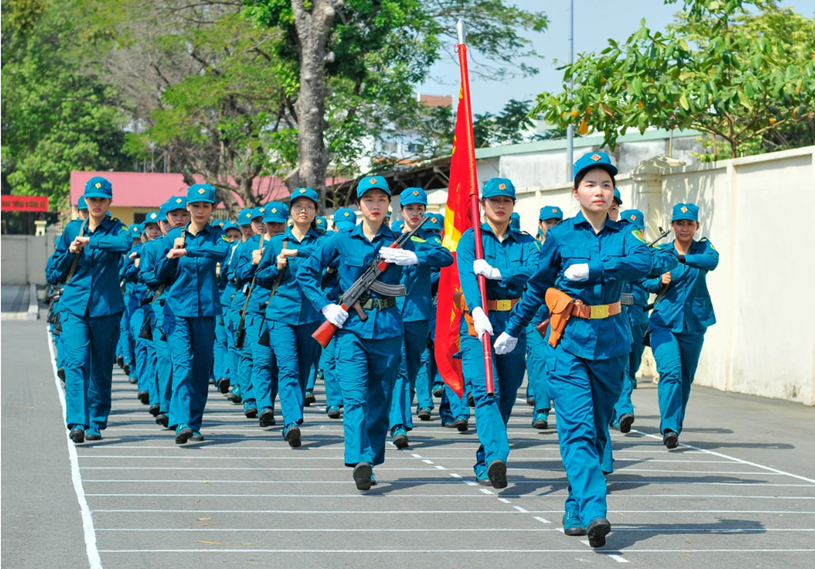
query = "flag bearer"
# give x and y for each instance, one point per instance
(87, 260)
(584, 263)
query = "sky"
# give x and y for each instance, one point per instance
(594, 22)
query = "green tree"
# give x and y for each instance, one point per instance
(512, 125)
(720, 68)
(56, 117)
(359, 62)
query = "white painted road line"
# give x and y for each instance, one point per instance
(618, 558)
(94, 560)
(502, 551)
(542, 520)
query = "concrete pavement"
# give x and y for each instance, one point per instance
(739, 492)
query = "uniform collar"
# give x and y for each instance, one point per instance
(610, 224)
(383, 230)
(510, 232)
(310, 233)
(206, 229)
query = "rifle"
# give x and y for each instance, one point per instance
(364, 285)
(52, 296)
(264, 339)
(146, 330)
(240, 335)
(648, 307)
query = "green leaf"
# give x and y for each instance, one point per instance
(683, 102)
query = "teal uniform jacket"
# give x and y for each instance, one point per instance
(686, 306)
(517, 259)
(94, 289)
(245, 271)
(351, 252)
(616, 255)
(194, 292)
(417, 304)
(289, 305)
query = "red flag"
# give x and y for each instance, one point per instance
(463, 181)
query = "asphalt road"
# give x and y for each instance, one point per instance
(739, 492)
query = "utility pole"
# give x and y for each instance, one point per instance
(570, 129)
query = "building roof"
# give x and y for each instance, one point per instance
(436, 100)
(579, 142)
(148, 189)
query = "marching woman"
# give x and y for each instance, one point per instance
(290, 317)
(173, 214)
(548, 217)
(510, 258)
(680, 318)
(583, 265)
(417, 310)
(86, 259)
(262, 368)
(220, 365)
(367, 352)
(191, 254)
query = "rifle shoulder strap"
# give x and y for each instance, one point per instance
(280, 274)
(251, 285)
(76, 255)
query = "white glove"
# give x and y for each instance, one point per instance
(482, 267)
(335, 314)
(400, 257)
(481, 322)
(505, 344)
(577, 272)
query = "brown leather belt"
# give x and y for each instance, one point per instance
(499, 305)
(596, 312)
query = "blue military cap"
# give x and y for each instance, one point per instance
(344, 218)
(372, 183)
(634, 217)
(135, 230)
(98, 187)
(498, 187)
(685, 211)
(152, 217)
(220, 223)
(245, 216)
(260, 211)
(617, 197)
(436, 221)
(305, 193)
(276, 212)
(412, 196)
(515, 221)
(594, 160)
(81, 203)
(321, 224)
(550, 212)
(173, 204)
(231, 225)
(397, 226)
(198, 193)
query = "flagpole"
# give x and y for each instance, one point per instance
(475, 212)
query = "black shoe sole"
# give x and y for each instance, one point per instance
(78, 436)
(223, 385)
(154, 410)
(625, 423)
(266, 418)
(575, 532)
(198, 439)
(120, 362)
(401, 441)
(470, 401)
(234, 398)
(462, 425)
(597, 531)
(362, 476)
(530, 402)
(671, 440)
(163, 420)
(309, 400)
(93, 437)
(182, 436)
(293, 437)
(424, 415)
(497, 473)
(250, 413)
(144, 397)
(61, 374)
(126, 370)
(334, 414)
(541, 425)
(438, 393)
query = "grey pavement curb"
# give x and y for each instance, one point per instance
(33, 303)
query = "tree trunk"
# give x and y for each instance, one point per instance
(313, 28)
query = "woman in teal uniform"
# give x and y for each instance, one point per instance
(367, 351)
(290, 317)
(584, 263)
(190, 254)
(510, 258)
(86, 259)
(681, 318)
